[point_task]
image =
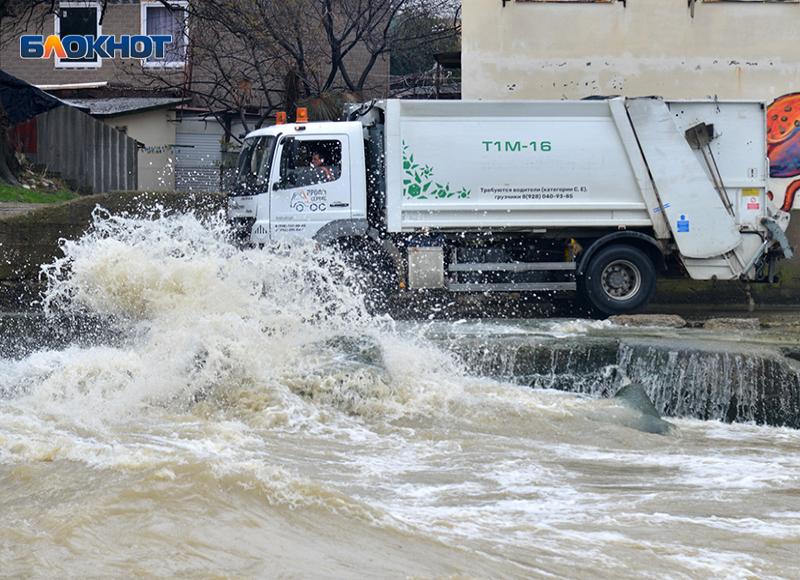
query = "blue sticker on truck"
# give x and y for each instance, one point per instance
(683, 225)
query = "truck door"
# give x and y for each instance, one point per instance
(311, 185)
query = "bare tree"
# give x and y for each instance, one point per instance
(336, 44)
(260, 55)
(420, 35)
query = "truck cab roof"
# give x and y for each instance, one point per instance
(317, 128)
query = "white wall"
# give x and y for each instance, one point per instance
(156, 130)
(536, 50)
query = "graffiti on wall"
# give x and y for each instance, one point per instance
(783, 143)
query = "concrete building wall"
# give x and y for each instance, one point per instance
(555, 50)
(156, 130)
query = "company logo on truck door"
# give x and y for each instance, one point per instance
(313, 200)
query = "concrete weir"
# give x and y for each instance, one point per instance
(684, 375)
(731, 376)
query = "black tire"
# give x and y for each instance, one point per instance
(619, 279)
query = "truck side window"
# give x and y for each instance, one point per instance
(310, 162)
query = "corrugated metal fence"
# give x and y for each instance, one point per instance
(90, 155)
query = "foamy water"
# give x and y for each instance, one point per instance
(254, 420)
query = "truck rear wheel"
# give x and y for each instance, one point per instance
(619, 279)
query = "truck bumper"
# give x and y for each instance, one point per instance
(241, 229)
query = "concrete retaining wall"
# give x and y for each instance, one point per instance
(29, 240)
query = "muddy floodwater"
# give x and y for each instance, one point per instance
(187, 408)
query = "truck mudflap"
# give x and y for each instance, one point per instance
(701, 224)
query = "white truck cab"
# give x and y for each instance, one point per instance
(297, 178)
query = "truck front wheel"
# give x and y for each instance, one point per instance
(375, 277)
(619, 279)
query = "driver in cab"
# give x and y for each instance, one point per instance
(323, 171)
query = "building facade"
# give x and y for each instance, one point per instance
(678, 49)
(185, 112)
(86, 17)
(115, 91)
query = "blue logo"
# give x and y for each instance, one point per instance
(74, 46)
(683, 225)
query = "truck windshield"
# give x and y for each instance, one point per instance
(255, 162)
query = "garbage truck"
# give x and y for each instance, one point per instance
(595, 197)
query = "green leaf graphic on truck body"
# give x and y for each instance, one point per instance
(419, 182)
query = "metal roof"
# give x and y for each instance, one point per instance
(109, 107)
(73, 86)
(22, 101)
